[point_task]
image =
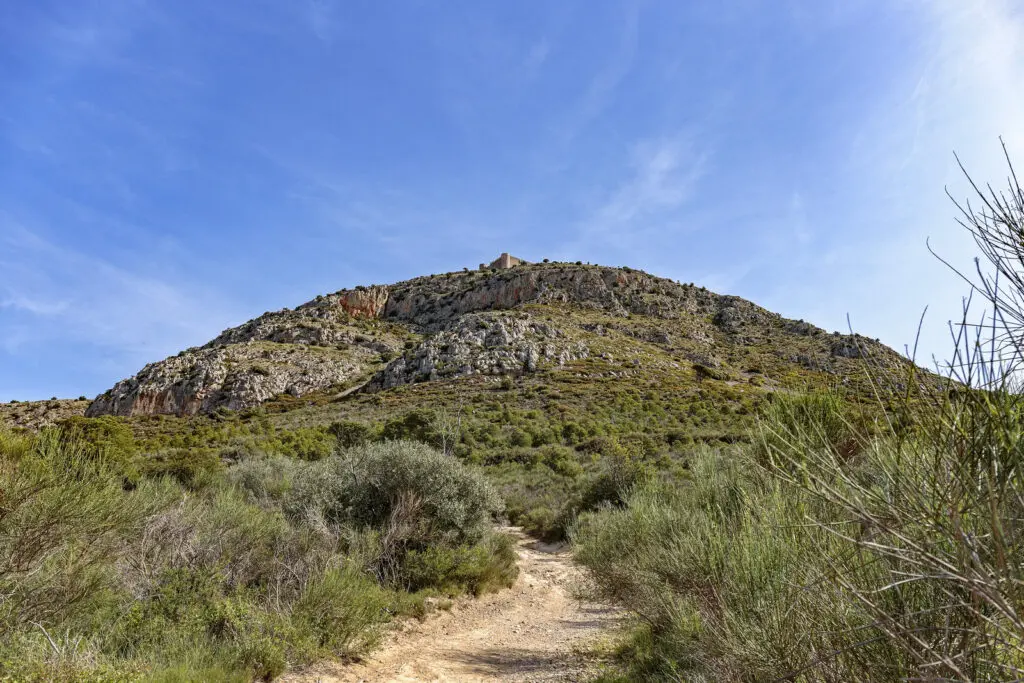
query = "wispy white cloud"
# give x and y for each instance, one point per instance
(957, 92)
(661, 177)
(664, 173)
(323, 19)
(602, 86)
(536, 56)
(82, 34)
(58, 295)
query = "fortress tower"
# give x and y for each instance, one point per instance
(503, 262)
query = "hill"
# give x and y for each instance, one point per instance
(561, 321)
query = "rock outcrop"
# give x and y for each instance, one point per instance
(485, 343)
(434, 301)
(366, 302)
(236, 376)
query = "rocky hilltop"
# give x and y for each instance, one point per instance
(523, 319)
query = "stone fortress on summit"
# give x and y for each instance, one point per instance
(503, 262)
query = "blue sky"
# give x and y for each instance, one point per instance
(171, 169)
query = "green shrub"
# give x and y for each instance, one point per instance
(820, 554)
(573, 433)
(715, 571)
(807, 421)
(181, 604)
(239, 540)
(30, 656)
(191, 573)
(482, 568)
(529, 491)
(192, 468)
(449, 502)
(416, 425)
(263, 658)
(266, 480)
(612, 484)
(108, 438)
(350, 434)
(520, 438)
(604, 446)
(523, 456)
(63, 514)
(542, 522)
(310, 443)
(640, 445)
(560, 459)
(344, 609)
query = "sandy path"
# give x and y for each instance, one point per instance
(534, 631)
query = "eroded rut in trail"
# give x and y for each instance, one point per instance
(535, 631)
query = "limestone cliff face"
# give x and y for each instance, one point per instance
(454, 325)
(286, 352)
(488, 343)
(366, 302)
(433, 301)
(236, 376)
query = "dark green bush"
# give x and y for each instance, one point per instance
(343, 608)
(641, 445)
(482, 568)
(618, 476)
(350, 434)
(573, 433)
(520, 438)
(560, 459)
(416, 425)
(604, 446)
(192, 468)
(108, 438)
(310, 443)
(542, 522)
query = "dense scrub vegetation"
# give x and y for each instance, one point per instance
(117, 567)
(821, 553)
(839, 545)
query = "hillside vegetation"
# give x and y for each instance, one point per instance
(109, 573)
(769, 501)
(836, 546)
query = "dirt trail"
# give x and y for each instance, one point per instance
(535, 631)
